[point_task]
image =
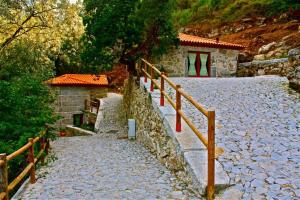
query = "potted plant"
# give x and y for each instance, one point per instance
(62, 132)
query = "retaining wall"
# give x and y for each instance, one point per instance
(182, 153)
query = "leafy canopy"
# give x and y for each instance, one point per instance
(123, 30)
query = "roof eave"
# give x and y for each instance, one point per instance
(78, 85)
(220, 46)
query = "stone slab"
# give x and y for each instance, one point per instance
(190, 146)
(197, 163)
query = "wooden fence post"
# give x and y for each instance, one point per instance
(145, 75)
(4, 176)
(47, 146)
(162, 89)
(152, 77)
(42, 147)
(178, 108)
(31, 160)
(86, 104)
(211, 155)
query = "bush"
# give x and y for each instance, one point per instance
(223, 11)
(25, 109)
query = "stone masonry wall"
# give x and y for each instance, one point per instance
(71, 100)
(152, 134)
(278, 67)
(223, 61)
(288, 67)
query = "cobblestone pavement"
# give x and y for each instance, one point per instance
(104, 166)
(258, 122)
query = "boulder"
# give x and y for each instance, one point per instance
(294, 79)
(260, 57)
(245, 57)
(294, 52)
(266, 48)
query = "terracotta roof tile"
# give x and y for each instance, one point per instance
(191, 40)
(79, 80)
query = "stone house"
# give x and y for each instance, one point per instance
(74, 91)
(201, 57)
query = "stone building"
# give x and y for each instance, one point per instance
(74, 91)
(201, 57)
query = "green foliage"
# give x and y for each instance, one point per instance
(25, 101)
(25, 58)
(25, 109)
(219, 11)
(125, 30)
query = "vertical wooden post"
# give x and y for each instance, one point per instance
(162, 89)
(47, 146)
(211, 155)
(152, 77)
(42, 148)
(4, 176)
(31, 160)
(178, 108)
(138, 69)
(145, 75)
(86, 104)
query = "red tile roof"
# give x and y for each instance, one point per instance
(191, 40)
(79, 80)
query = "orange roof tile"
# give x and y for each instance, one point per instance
(79, 80)
(191, 40)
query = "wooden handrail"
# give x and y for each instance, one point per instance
(196, 104)
(18, 152)
(1, 163)
(2, 195)
(209, 143)
(30, 168)
(19, 178)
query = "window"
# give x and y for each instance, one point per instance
(199, 64)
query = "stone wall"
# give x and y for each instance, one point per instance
(182, 152)
(288, 67)
(294, 62)
(71, 100)
(151, 133)
(278, 67)
(223, 61)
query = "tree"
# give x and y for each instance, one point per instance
(123, 30)
(42, 26)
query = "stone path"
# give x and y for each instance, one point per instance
(104, 166)
(258, 125)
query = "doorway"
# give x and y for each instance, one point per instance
(199, 64)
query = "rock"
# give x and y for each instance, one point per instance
(270, 54)
(231, 193)
(247, 20)
(245, 57)
(294, 52)
(266, 48)
(260, 57)
(294, 79)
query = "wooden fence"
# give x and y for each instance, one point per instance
(209, 143)
(90, 105)
(6, 187)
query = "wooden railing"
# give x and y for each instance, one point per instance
(209, 143)
(5, 187)
(89, 105)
